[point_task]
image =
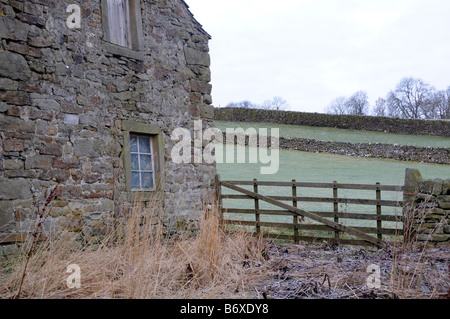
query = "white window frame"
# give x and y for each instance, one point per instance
(158, 149)
(140, 171)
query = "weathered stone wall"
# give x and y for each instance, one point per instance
(374, 150)
(427, 208)
(368, 123)
(64, 94)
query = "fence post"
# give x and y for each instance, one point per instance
(335, 207)
(379, 225)
(294, 203)
(255, 189)
(219, 198)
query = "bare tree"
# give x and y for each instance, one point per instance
(337, 106)
(277, 103)
(357, 104)
(411, 99)
(439, 108)
(445, 106)
(380, 108)
(393, 111)
(242, 104)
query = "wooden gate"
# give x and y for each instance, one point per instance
(318, 221)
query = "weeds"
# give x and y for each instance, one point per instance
(138, 258)
(41, 214)
(142, 262)
(411, 257)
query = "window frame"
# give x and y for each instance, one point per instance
(140, 155)
(136, 32)
(118, 18)
(155, 133)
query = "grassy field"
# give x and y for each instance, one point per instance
(340, 135)
(311, 167)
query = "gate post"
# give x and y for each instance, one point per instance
(379, 223)
(410, 191)
(219, 197)
(335, 208)
(294, 203)
(257, 216)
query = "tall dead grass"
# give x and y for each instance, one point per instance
(141, 262)
(412, 257)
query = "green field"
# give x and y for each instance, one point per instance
(326, 168)
(340, 135)
(311, 167)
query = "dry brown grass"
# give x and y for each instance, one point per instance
(141, 263)
(136, 259)
(412, 259)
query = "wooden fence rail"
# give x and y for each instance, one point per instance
(330, 221)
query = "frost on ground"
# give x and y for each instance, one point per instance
(337, 272)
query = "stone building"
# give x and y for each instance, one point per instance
(89, 97)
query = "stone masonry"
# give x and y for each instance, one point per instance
(68, 99)
(427, 204)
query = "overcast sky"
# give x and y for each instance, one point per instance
(312, 51)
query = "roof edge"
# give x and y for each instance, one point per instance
(196, 21)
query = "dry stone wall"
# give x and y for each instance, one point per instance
(427, 208)
(438, 155)
(64, 94)
(373, 150)
(368, 123)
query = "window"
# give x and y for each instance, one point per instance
(142, 163)
(122, 27)
(143, 156)
(119, 26)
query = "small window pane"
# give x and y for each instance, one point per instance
(134, 162)
(147, 180)
(133, 143)
(146, 163)
(135, 183)
(141, 163)
(144, 145)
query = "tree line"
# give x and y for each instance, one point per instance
(412, 99)
(276, 103)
